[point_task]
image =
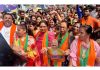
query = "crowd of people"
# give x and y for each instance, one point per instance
(56, 36)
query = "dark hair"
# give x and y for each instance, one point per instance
(65, 22)
(28, 30)
(87, 8)
(75, 13)
(38, 17)
(23, 26)
(78, 23)
(33, 23)
(23, 22)
(21, 11)
(8, 14)
(43, 21)
(14, 15)
(88, 29)
(32, 16)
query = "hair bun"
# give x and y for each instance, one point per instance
(88, 29)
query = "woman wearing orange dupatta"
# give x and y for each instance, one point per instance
(43, 40)
(84, 50)
(24, 45)
(63, 41)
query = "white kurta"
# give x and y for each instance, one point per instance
(5, 31)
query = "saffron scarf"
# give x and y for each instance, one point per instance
(46, 61)
(64, 41)
(24, 45)
(90, 60)
(12, 31)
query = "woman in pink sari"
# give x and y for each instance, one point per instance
(43, 39)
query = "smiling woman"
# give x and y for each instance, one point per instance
(24, 45)
(43, 26)
(43, 39)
